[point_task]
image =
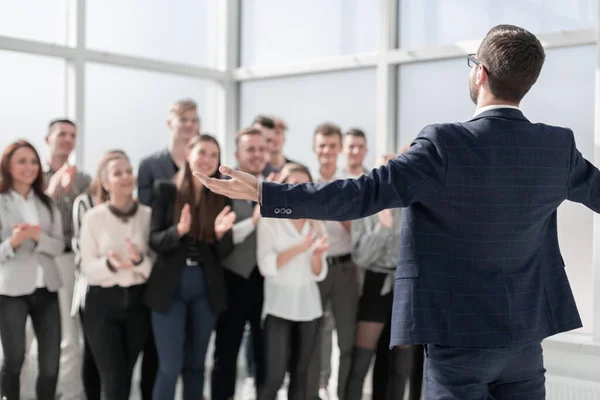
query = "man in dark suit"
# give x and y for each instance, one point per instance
(184, 124)
(480, 281)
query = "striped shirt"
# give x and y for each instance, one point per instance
(64, 201)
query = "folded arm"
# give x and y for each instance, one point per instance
(368, 241)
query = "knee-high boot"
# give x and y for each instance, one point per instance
(361, 360)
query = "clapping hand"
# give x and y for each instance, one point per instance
(135, 255)
(224, 221)
(386, 218)
(185, 221)
(321, 246)
(62, 180)
(307, 241)
(22, 232)
(117, 262)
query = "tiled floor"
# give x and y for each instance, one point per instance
(244, 387)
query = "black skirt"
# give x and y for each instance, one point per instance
(373, 307)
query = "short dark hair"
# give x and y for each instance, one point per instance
(60, 121)
(246, 132)
(328, 129)
(513, 59)
(265, 121)
(356, 133)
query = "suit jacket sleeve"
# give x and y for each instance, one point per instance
(145, 183)
(416, 175)
(584, 180)
(163, 229)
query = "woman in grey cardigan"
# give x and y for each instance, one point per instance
(375, 241)
(31, 235)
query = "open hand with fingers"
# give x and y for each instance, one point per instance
(307, 242)
(321, 246)
(135, 255)
(185, 221)
(224, 222)
(386, 218)
(62, 180)
(241, 186)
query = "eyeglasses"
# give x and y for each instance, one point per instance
(472, 61)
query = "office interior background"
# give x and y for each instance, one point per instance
(387, 66)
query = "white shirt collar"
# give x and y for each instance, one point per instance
(17, 195)
(493, 107)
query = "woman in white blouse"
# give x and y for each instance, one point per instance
(83, 203)
(116, 263)
(292, 257)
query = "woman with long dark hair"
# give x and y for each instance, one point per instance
(291, 256)
(116, 262)
(31, 235)
(92, 197)
(191, 232)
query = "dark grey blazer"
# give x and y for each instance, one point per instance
(18, 269)
(157, 166)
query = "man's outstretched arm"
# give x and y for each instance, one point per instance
(414, 176)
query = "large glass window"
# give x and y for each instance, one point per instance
(181, 31)
(128, 109)
(278, 32)
(344, 98)
(32, 94)
(41, 20)
(437, 22)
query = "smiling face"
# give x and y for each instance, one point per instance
(204, 157)
(355, 150)
(250, 154)
(118, 179)
(327, 148)
(24, 166)
(61, 139)
(185, 125)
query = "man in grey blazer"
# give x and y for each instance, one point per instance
(184, 124)
(63, 184)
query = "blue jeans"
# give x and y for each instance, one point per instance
(182, 336)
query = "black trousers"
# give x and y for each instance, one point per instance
(116, 324)
(281, 336)
(90, 373)
(245, 301)
(42, 307)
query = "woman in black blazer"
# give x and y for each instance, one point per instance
(191, 232)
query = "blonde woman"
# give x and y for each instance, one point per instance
(116, 263)
(84, 202)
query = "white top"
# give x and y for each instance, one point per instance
(28, 211)
(291, 292)
(101, 232)
(340, 240)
